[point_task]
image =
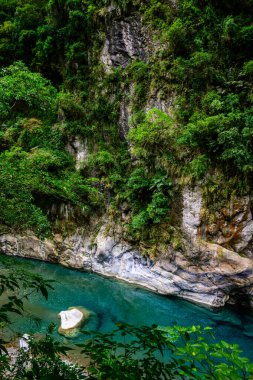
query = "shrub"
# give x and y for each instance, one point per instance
(23, 93)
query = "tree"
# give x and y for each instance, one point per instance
(153, 353)
(25, 94)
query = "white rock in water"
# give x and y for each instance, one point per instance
(24, 342)
(71, 318)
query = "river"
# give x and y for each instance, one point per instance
(113, 301)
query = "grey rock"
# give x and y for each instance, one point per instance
(231, 226)
(79, 150)
(192, 200)
(27, 245)
(124, 42)
(219, 276)
(124, 115)
(205, 272)
(246, 234)
(165, 105)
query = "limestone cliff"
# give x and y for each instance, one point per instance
(203, 272)
(208, 257)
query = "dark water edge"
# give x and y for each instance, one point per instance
(111, 301)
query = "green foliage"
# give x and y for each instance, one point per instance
(210, 67)
(153, 135)
(44, 361)
(171, 353)
(248, 68)
(156, 13)
(149, 189)
(202, 62)
(16, 202)
(103, 161)
(199, 166)
(222, 137)
(203, 58)
(149, 197)
(70, 106)
(36, 170)
(26, 177)
(134, 353)
(25, 94)
(15, 288)
(177, 34)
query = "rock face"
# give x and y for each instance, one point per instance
(192, 199)
(79, 150)
(214, 264)
(124, 42)
(27, 246)
(124, 115)
(203, 272)
(128, 39)
(231, 226)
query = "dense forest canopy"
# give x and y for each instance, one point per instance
(53, 86)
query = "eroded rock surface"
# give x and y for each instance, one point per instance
(192, 200)
(79, 150)
(29, 246)
(232, 226)
(128, 39)
(201, 271)
(207, 274)
(124, 42)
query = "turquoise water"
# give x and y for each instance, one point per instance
(113, 301)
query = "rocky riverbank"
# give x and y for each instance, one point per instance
(221, 276)
(203, 272)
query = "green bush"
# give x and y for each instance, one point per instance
(26, 178)
(171, 353)
(25, 94)
(150, 198)
(153, 136)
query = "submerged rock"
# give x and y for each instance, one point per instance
(227, 319)
(71, 320)
(248, 330)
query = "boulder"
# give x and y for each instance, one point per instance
(71, 320)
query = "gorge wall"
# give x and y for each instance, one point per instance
(202, 271)
(147, 184)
